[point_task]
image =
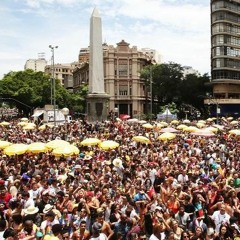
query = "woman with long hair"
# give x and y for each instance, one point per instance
(223, 233)
(199, 234)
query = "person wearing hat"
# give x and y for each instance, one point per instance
(31, 210)
(49, 208)
(46, 225)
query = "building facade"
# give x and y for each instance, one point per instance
(37, 65)
(225, 56)
(63, 72)
(122, 66)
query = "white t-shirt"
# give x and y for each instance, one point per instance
(102, 236)
(219, 218)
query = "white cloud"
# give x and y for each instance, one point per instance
(179, 30)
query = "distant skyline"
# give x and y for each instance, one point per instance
(178, 29)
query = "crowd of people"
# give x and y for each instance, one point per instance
(184, 188)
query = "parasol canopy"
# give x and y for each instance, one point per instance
(203, 132)
(29, 126)
(90, 142)
(190, 129)
(37, 147)
(4, 144)
(24, 119)
(167, 136)
(108, 145)
(168, 129)
(16, 149)
(147, 125)
(141, 139)
(66, 151)
(56, 143)
(4, 123)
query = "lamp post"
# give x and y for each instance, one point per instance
(53, 85)
(65, 112)
(151, 92)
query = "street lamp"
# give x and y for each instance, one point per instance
(151, 92)
(65, 112)
(53, 85)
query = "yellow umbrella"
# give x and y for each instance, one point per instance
(234, 131)
(90, 142)
(181, 126)
(164, 124)
(141, 139)
(16, 149)
(234, 122)
(29, 126)
(174, 122)
(37, 147)
(190, 129)
(220, 127)
(167, 136)
(200, 125)
(108, 144)
(24, 119)
(4, 123)
(66, 151)
(209, 120)
(159, 125)
(22, 124)
(186, 121)
(56, 143)
(148, 126)
(4, 144)
(42, 127)
(202, 121)
(211, 129)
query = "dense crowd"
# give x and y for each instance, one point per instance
(184, 188)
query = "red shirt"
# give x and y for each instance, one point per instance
(6, 198)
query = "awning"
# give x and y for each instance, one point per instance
(37, 113)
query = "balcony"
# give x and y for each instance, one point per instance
(123, 97)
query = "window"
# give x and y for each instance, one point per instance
(123, 90)
(123, 67)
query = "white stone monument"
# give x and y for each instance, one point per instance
(97, 99)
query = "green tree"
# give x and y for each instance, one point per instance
(28, 89)
(170, 86)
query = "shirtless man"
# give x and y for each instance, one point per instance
(106, 229)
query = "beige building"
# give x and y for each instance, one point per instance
(122, 66)
(63, 72)
(37, 65)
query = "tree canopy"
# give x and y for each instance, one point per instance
(169, 85)
(28, 89)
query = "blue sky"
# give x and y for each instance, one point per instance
(178, 29)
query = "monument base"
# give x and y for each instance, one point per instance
(97, 107)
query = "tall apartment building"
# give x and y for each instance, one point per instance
(37, 65)
(225, 56)
(122, 66)
(63, 72)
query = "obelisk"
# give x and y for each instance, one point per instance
(97, 99)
